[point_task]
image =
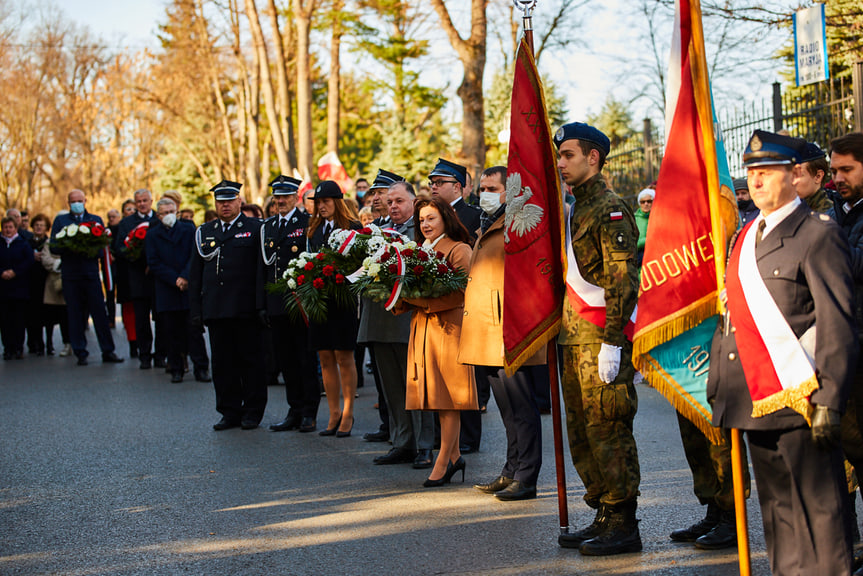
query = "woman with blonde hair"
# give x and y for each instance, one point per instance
(336, 337)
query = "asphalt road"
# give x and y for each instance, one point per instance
(112, 470)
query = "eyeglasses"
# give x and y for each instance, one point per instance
(645, 201)
(439, 183)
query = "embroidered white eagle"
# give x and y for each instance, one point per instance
(521, 217)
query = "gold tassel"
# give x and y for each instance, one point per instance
(545, 334)
(675, 324)
(796, 398)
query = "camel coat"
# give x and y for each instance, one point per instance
(482, 331)
(435, 379)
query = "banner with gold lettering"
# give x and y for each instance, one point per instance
(694, 213)
(534, 265)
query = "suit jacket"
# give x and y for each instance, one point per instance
(18, 257)
(169, 256)
(469, 216)
(75, 266)
(806, 266)
(378, 325)
(140, 284)
(230, 284)
(481, 330)
(285, 248)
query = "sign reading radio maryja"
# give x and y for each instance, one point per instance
(810, 45)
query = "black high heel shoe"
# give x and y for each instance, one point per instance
(331, 431)
(345, 434)
(451, 469)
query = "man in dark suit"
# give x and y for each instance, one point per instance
(81, 286)
(226, 292)
(283, 239)
(169, 249)
(140, 281)
(448, 180)
(789, 285)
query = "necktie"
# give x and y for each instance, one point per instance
(225, 227)
(758, 235)
(327, 229)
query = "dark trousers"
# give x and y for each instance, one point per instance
(56, 314)
(516, 401)
(143, 330)
(197, 348)
(176, 325)
(83, 299)
(12, 324)
(409, 429)
(35, 321)
(803, 498)
(383, 411)
(297, 364)
(238, 368)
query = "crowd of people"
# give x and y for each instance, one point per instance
(436, 361)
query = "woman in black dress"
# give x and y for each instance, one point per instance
(336, 337)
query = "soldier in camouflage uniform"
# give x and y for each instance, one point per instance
(810, 185)
(598, 387)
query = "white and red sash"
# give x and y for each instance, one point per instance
(586, 299)
(778, 371)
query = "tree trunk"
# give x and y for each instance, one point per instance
(283, 93)
(303, 10)
(334, 90)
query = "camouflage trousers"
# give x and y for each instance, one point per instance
(599, 420)
(711, 465)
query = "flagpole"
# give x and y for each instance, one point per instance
(526, 7)
(705, 105)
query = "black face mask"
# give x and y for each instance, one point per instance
(744, 205)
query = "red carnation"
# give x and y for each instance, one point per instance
(393, 268)
(328, 270)
(407, 252)
(309, 266)
(141, 233)
(422, 256)
(318, 283)
(97, 230)
(301, 279)
(450, 266)
(366, 231)
(418, 269)
(440, 255)
(340, 279)
(320, 256)
(442, 269)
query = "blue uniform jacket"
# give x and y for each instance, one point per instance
(169, 256)
(74, 266)
(18, 256)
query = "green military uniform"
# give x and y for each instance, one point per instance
(819, 202)
(599, 416)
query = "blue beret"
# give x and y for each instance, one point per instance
(385, 179)
(812, 151)
(451, 169)
(768, 148)
(226, 190)
(582, 131)
(285, 185)
(328, 189)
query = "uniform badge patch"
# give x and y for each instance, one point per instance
(620, 239)
(243, 235)
(212, 244)
(294, 249)
(615, 216)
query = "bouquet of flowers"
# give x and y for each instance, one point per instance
(354, 246)
(134, 242)
(311, 282)
(406, 270)
(86, 238)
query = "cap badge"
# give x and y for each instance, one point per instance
(559, 134)
(755, 143)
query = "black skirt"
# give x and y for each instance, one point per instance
(338, 331)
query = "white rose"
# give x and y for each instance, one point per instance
(367, 262)
(292, 284)
(300, 262)
(71, 229)
(376, 231)
(374, 269)
(83, 230)
(412, 245)
(304, 256)
(61, 233)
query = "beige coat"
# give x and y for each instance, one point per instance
(482, 331)
(53, 294)
(435, 379)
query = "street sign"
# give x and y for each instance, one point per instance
(810, 45)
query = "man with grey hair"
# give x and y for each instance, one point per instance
(141, 283)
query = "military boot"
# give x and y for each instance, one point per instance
(700, 528)
(575, 539)
(618, 536)
(723, 535)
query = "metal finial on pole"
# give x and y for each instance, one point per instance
(526, 7)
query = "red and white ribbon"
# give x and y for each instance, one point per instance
(349, 241)
(397, 288)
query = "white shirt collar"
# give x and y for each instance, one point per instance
(777, 216)
(10, 240)
(848, 207)
(231, 223)
(454, 202)
(287, 216)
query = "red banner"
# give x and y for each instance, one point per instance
(535, 263)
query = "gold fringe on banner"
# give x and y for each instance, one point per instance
(676, 396)
(675, 324)
(541, 336)
(796, 398)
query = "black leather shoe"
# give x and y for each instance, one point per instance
(203, 375)
(291, 422)
(516, 491)
(225, 424)
(495, 485)
(82, 360)
(379, 436)
(308, 425)
(111, 358)
(176, 377)
(249, 424)
(723, 535)
(396, 456)
(424, 459)
(159, 363)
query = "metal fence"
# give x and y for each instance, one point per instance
(818, 113)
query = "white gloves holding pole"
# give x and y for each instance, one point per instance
(609, 362)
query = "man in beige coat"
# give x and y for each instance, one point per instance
(482, 346)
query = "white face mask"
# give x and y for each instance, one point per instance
(169, 220)
(489, 202)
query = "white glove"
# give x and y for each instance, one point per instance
(609, 362)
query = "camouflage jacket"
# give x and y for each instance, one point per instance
(819, 202)
(604, 246)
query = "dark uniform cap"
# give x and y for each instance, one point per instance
(328, 189)
(741, 184)
(451, 169)
(811, 152)
(226, 190)
(768, 148)
(385, 179)
(582, 131)
(285, 185)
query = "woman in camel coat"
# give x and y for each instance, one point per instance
(435, 379)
